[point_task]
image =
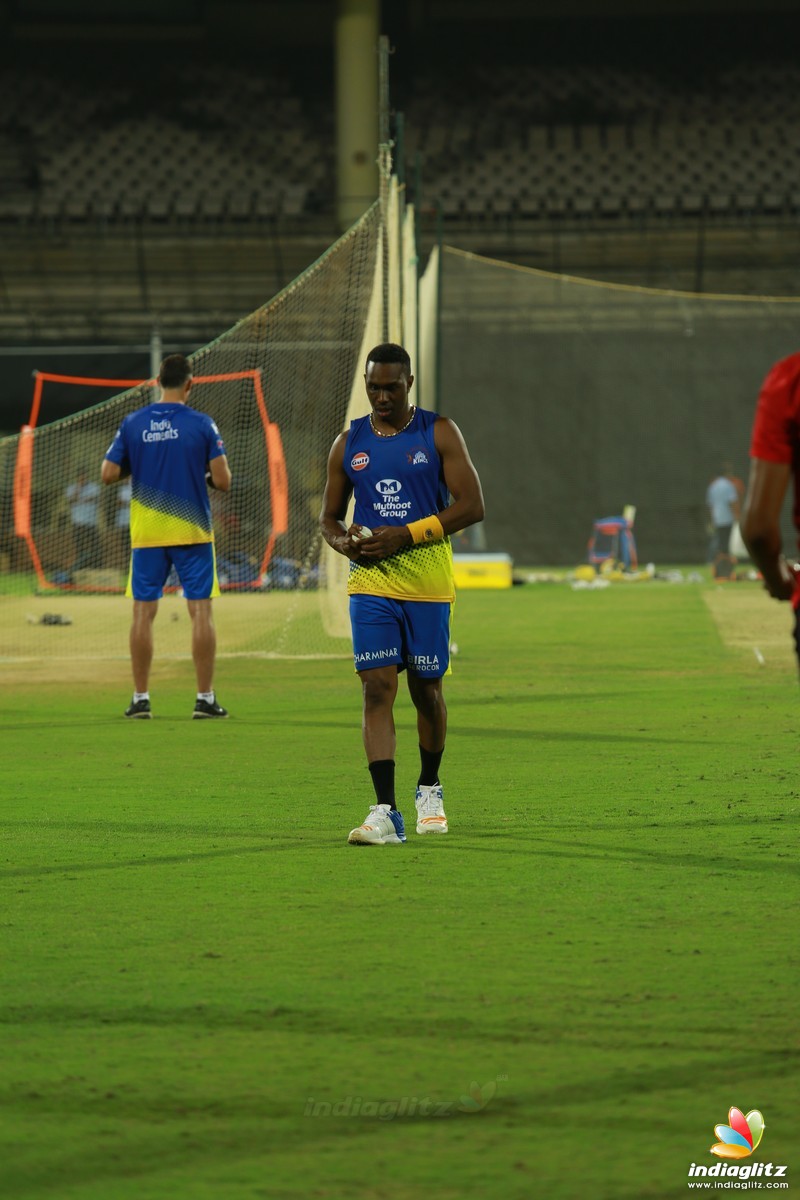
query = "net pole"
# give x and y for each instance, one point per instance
(384, 173)
(437, 399)
(23, 472)
(399, 171)
(417, 239)
(36, 403)
(156, 351)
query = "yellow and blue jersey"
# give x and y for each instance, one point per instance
(167, 448)
(396, 480)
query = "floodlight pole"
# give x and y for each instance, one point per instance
(356, 39)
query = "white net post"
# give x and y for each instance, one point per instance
(335, 567)
(428, 348)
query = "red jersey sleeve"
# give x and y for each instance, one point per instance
(776, 431)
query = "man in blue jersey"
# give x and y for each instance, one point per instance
(172, 454)
(414, 484)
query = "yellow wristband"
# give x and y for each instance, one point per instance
(429, 529)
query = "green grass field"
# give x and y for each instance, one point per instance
(207, 995)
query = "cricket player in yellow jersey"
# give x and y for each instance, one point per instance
(414, 484)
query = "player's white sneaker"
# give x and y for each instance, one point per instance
(383, 826)
(430, 809)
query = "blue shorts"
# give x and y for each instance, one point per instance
(195, 567)
(407, 633)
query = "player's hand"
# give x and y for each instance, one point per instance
(787, 581)
(349, 544)
(385, 541)
(210, 481)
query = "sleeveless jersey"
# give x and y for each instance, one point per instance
(397, 480)
(167, 447)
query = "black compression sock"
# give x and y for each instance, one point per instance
(429, 770)
(382, 772)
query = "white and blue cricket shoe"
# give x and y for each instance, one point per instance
(430, 809)
(383, 826)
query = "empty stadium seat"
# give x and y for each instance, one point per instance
(231, 142)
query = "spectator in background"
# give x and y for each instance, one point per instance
(723, 503)
(83, 498)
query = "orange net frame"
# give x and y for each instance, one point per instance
(95, 574)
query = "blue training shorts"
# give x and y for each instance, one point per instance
(195, 567)
(408, 633)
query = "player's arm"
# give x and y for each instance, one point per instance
(338, 490)
(110, 472)
(115, 465)
(463, 484)
(760, 525)
(219, 475)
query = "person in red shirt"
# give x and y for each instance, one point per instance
(774, 460)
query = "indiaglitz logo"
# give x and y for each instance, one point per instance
(737, 1140)
(388, 487)
(478, 1097)
(422, 1107)
(359, 461)
(741, 1136)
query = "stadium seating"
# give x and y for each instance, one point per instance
(610, 143)
(182, 196)
(227, 143)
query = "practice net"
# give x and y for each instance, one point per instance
(281, 385)
(584, 397)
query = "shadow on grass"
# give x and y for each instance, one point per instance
(153, 1137)
(531, 842)
(544, 847)
(184, 859)
(191, 1148)
(632, 738)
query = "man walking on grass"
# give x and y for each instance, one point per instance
(414, 484)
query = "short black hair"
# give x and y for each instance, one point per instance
(390, 352)
(175, 371)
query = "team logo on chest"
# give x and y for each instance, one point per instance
(359, 461)
(417, 457)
